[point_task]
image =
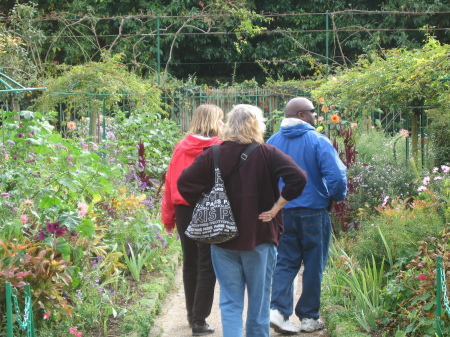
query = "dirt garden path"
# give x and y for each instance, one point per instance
(172, 321)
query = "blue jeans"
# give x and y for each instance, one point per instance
(306, 240)
(234, 270)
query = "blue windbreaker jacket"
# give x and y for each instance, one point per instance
(315, 154)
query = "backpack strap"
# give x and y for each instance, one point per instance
(215, 148)
(244, 156)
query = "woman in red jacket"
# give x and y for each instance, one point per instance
(198, 273)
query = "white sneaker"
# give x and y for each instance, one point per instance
(311, 324)
(281, 325)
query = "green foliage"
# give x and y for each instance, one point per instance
(136, 261)
(247, 39)
(43, 268)
(401, 77)
(94, 85)
(440, 136)
(66, 211)
(381, 171)
(20, 43)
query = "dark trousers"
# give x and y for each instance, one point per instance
(198, 272)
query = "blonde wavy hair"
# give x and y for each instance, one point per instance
(205, 121)
(245, 124)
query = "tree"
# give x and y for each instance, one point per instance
(393, 79)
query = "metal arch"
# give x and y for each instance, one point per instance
(13, 86)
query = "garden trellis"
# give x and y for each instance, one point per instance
(11, 88)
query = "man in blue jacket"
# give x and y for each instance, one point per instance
(307, 224)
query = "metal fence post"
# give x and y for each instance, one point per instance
(9, 320)
(438, 295)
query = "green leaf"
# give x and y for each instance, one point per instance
(428, 306)
(49, 200)
(66, 182)
(420, 298)
(86, 229)
(63, 247)
(69, 219)
(34, 141)
(410, 328)
(27, 114)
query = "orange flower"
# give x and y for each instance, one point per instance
(321, 100)
(335, 118)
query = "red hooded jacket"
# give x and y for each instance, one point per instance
(183, 156)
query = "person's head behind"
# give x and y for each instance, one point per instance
(302, 108)
(245, 124)
(207, 121)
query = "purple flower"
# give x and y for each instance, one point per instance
(40, 235)
(19, 135)
(60, 146)
(60, 232)
(11, 142)
(52, 226)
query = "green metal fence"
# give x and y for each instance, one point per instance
(182, 103)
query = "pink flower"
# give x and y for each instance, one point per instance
(79, 334)
(426, 180)
(82, 208)
(73, 331)
(385, 201)
(445, 168)
(47, 315)
(403, 133)
(71, 125)
(421, 188)
(422, 277)
(24, 219)
(353, 125)
(438, 178)
(27, 203)
(320, 118)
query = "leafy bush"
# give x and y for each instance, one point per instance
(381, 172)
(440, 136)
(66, 212)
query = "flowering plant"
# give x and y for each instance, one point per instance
(331, 118)
(436, 186)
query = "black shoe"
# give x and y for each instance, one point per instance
(190, 321)
(201, 330)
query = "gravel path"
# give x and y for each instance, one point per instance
(172, 320)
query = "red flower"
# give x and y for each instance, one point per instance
(47, 315)
(422, 277)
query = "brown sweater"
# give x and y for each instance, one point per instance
(252, 190)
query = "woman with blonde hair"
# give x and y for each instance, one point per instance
(247, 261)
(198, 273)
